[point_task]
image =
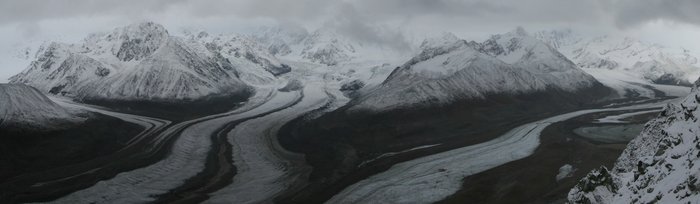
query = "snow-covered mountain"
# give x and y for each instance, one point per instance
(26, 107)
(324, 45)
(280, 39)
(242, 49)
(450, 69)
(658, 166)
(653, 62)
(143, 62)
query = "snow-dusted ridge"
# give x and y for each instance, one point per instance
(657, 166)
(26, 107)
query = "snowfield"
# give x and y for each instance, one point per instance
(565, 171)
(624, 82)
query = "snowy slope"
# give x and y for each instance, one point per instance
(627, 84)
(657, 166)
(653, 62)
(523, 50)
(450, 69)
(24, 106)
(143, 62)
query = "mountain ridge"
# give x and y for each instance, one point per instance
(656, 166)
(511, 63)
(652, 62)
(25, 107)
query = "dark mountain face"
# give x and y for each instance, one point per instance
(140, 41)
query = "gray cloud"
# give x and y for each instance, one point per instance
(634, 12)
(352, 23)
(22, 11)
(475, 13)
(414, 8)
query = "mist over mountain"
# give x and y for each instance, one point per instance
(349, 101)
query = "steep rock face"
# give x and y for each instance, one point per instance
(657, 166)
(22, 106)
(449, 69)
(656, 63)
(138, 41)
(142, 62)
(242, 49)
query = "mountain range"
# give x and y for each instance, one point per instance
(325, 45)
(446, 93)
(653, 62)
(142, 62)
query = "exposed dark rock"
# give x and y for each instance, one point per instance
(670, 79)
(292, 85)
(352, 85)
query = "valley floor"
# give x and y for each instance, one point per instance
(234, 157)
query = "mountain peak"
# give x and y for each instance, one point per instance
(558, 38)
(145, 27)
(139, 40)
(445, 39)
(520, 31)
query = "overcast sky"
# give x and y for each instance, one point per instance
(25, 23)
